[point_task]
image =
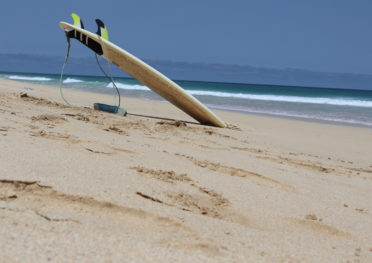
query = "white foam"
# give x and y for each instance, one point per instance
(277, 98)
(128, 86)
(71, 80)
(296, 99)
(29, 78)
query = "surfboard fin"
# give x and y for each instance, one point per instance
(82, 37)
(102, 30)
(77, 21)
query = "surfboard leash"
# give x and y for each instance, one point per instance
(97, 49)
(62, 71)
(110, 78)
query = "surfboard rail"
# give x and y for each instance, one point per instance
(145, 74)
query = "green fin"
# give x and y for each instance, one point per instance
(77, 21)
(102, 30)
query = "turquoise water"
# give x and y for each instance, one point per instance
(344, 106)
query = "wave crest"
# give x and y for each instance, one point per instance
(128, 86)
(278, 98)
(71, 80)
(15, 77)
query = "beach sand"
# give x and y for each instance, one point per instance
(78, 185)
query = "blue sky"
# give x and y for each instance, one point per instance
(319, 35)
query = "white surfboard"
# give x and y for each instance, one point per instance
(145, 74)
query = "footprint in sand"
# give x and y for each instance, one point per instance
(317, 226)
(37, 197)
(299, 164)
(197, 200)
(40, 101)
(78, 116)
(165, 176)
(49, 118)
(59, 208)
(55, 136)
(4, 131)
(239, 172)
(116, 130)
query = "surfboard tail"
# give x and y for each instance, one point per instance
(83, 38)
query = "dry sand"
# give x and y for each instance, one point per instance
(78, 185)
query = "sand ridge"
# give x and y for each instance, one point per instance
(155, 186)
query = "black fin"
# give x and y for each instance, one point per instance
(100, 25)
(102, 30)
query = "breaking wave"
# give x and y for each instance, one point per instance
(276, 98)
(128, 86)
(15, 77)
(71, 80)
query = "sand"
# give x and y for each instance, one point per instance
(78, 185)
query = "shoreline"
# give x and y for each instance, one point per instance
(184, 80)
(270, 115)
(303, 119)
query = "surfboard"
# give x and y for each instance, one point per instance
(144, 73)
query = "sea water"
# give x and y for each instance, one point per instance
(340, 106)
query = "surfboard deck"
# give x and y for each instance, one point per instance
(145, 74)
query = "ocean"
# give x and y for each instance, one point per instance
(338, 106)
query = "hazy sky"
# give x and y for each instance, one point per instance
(320, 35)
